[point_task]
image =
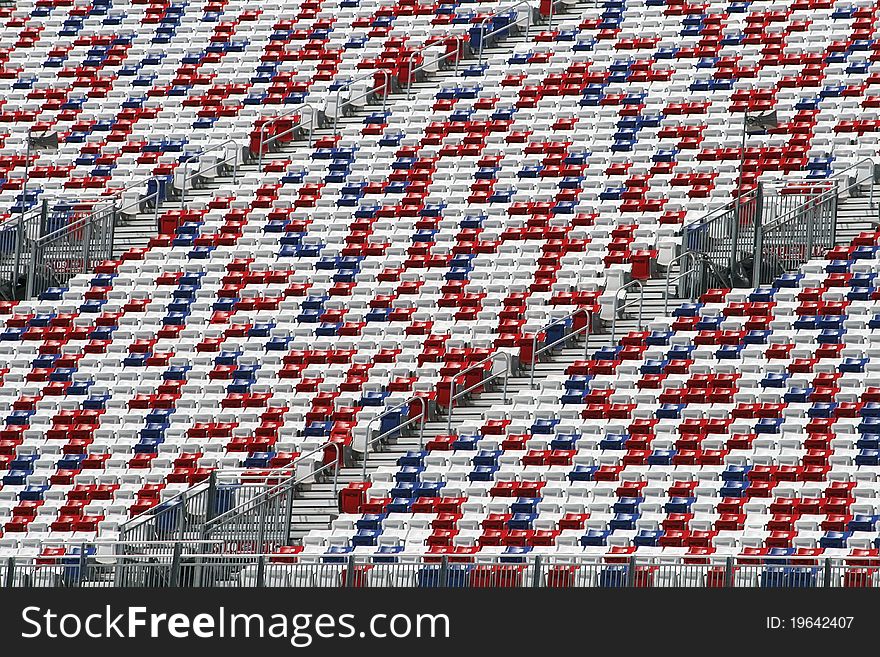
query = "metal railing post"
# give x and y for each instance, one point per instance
(262, 142)
(688, 275)
(410, 81)
(86, 242)
(728, 572)
(181, 519)
(83, 564)
(111, 234)
(261, 529)
(618, 308)
(369, 440)
(443, 580)
(759, 236)
(184, 177)
(386, 89)
(827, 574)
(212, 496)
(19, 245)
(32, 269)
(631, 572)
(261, 570)
(117, 561)
(350, 572)
(156, 203)
(536, 573)
(422, 421)
(834, 207)
(288, 511)
(175, 565)
(10, 573)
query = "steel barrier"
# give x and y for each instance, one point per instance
(693, 269)
(263, 520)
(776, 227)
(189, 514)
(286, 568)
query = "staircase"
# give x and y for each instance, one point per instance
(135, 232)
(317, 506)
(856, 214)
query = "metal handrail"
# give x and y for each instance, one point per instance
(572, 558)
(83, 235)
(507, 373)
(411, 60)
(195, 156)
(263, 142)
(201, 486)
(788, 215)
(483, 23)
(385, 86)
(584, 329)
(421, 417)
(457, 53)
(727, 206)
(835, 189)
(290, 482)
(864, 160)
(74, 225)
(682, 274)
(617, 309)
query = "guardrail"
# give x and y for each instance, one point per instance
(617, 308)
(454, 395)
(421, 418)
(463, 570)
(810, 229)
(800, 234)
(782, 222)
(264, 520)
(187, 514)
(55, 258)
(586, 328)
